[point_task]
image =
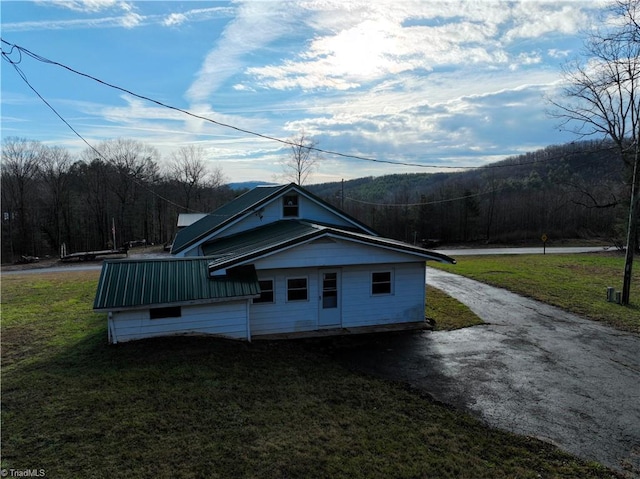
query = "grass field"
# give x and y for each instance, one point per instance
(447, 313)
(204, 407)
(576, 283)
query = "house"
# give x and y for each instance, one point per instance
(275, 261)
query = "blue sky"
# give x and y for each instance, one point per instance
(447, 83)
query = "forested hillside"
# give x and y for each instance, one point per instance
(50, 198)
(569, 191)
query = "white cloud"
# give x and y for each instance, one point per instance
(89, 5)
(256, 25)
(175, 19)
(535, 19)
(129, 19)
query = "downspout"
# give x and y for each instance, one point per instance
(111, 329)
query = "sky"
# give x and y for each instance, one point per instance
(437, 84)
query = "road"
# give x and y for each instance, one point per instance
(89, 266)
(531, 369)
(529, 250)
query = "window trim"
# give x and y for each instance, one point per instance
(390, 283)
(291, 207)
(272, 290)
(305, 289)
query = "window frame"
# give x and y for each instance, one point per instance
(165, 312)
(260, 300)
(294, 207)
(305, 289)
(378, 283)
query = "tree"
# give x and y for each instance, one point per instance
(302, 161)
(21, 161)
(132, 171)
(602, 97)
(190, 170)
(55, 177)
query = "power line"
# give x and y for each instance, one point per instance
(26, 80)
(435, 202)
(42, 59)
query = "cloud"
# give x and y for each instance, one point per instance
(350, 48)
(129, 19)
(89, 5)
(256, 25)
(536, 19)
(175, 19)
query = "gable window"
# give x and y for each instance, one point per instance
(168, 312)
(290, 206)
(266, 291)
(381, 282)
(297, 289)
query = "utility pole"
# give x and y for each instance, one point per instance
(631, 231)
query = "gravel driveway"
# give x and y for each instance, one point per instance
(532, 369)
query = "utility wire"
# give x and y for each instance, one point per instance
(435, 202)
(21, 50)
(26, 80)
(42, 59)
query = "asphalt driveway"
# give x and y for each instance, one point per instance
(532, 369)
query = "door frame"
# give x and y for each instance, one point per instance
(329, 317)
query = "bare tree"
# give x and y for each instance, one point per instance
(191, 171)
(55, 176)
(602, 97)
(133, 169)
(21, 161)
(303, 159)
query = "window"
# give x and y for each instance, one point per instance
(381, 282)
(169, 312)
(266, 292)
(297, 289)
(290, 206)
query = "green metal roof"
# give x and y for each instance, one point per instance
(222, 215)
(231, 250)
(250, 200)
(127, 284)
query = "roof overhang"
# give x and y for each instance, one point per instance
(263, 249)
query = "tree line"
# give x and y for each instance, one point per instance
(568, 191)
(50, 198)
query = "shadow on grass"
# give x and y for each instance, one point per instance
(188, 406)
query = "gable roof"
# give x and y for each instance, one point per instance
(203, 227)
(242, 247)
(246, 203)
(130, 284)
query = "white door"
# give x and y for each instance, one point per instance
(329, 302)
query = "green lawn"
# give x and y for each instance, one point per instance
(205, 407)
(576, 283)
(447, 313)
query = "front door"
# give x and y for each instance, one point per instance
(330, 307)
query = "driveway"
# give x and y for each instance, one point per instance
(532, 369)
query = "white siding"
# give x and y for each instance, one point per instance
(284, 316)
(224, 319)
(358, 306)
(327, 252)
(269, 213)
(404, 304)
